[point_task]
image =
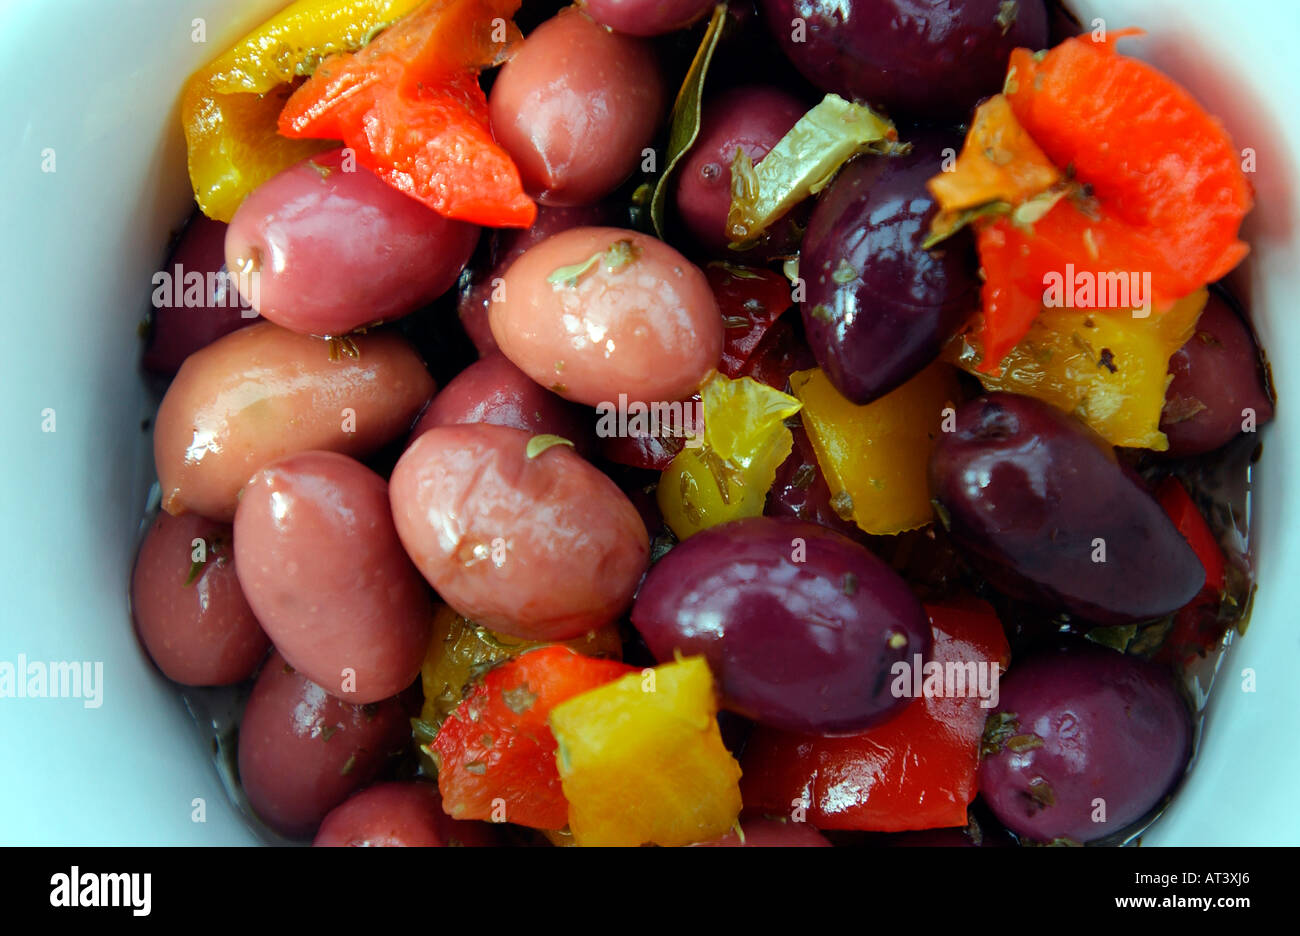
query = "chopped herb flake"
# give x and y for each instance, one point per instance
(519, 699)
(842, 504)
(1116, 637)
(618, 255)
(540, 443)
(739, 272)
(844, 273)
(1023, 742)
(1181, 409)
(1040, 791)
(1006, 18)
(196, 569)
(566, 276)
(998, 729)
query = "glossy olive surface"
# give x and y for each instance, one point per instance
(879, 306)
(1039, 506)
(1087, 742)
(800, 625)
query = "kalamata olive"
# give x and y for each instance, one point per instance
(879, 305)
(799, 624)
(263, 392)
(753, 119)
(504, 247)
(195, 302)
(924, 59)
(302, 751)
(759, 832)
(575, 107)
(543, 547)
(398, 815)
(1218, 387)
(1088, 742)
(189, 610)
(333, 247)
(324, 571)
(492, 390)
(646, 17)
(592, 313)
(1039, 505)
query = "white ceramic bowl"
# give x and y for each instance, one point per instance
(97, 85)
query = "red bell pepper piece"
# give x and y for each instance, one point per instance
(410, 105)
(751, 300)
(1173, 497)
(781, 352)
(1009, 306)
(1197, 628)
(496, 745)
(916, 771)
(1166, 191)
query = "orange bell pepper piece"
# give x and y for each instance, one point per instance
(411, 106)
(1157, 189)
(229, 108)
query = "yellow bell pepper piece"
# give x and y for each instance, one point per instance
(229, 108)
(1106, 367)
(641, 759)
(728, 476)
(875, 457)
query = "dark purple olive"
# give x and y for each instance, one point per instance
(1038, 504)
(925, 59)
(799, 624)
(505, 246)
(1218, 387)
(753, 119)
(879, 305)
(800, 489)
(1087, 741)
(194, 301)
